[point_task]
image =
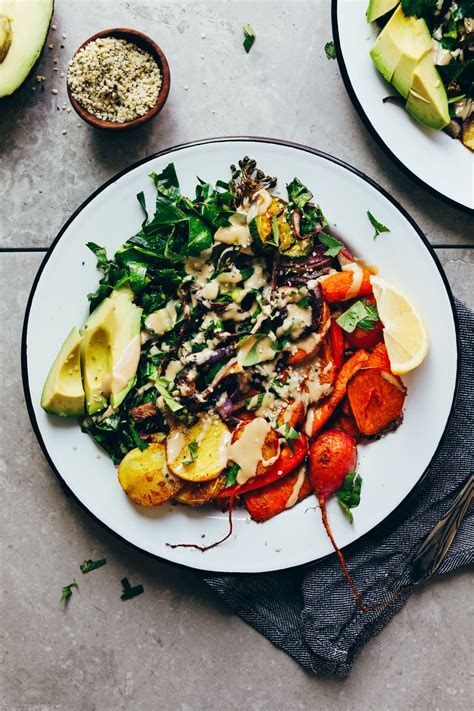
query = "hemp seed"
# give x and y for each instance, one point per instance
(114, 80)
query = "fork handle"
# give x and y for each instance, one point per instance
(434, 548)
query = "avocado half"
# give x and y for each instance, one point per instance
(403, 55)
(24, 26)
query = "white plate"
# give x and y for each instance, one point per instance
(390, 467)
(443, 165)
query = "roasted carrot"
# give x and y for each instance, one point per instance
(337, 343)
(376, 397)
(347, 424)
(341, 287)
(289, 459)
(293, 415)
(270, 447)
(379, 358)
(302, 354)
(327, 369)
(271, 500)
(318, 415)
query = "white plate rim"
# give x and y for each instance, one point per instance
(370, 126)
(222, 139)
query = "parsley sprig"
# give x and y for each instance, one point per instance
(89, 565)
(360, 315)
(349, 494)
(378, 227)
(249, 37)
(67, 591)
(128, 591)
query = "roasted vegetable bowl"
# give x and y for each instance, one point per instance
(237, 352)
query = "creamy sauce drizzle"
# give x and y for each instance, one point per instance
(174, 444)
(293, 498)
(357, 278)
(247, 451)
(124, 370)
(162, 320)
(236, 232)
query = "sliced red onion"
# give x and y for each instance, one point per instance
(296, 222)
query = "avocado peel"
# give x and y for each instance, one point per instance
(6, 36)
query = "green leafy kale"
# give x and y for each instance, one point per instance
(419, 8)
(89, 565)
(379, 228)
(311, 216)
(349, 494)
(330, 50)
(67, 590)
(128, 591)
(249, 37)
(360, 315)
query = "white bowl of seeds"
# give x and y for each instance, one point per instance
(118, 78)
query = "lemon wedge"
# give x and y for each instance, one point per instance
(405, 334)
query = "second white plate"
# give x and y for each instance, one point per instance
(443, 165)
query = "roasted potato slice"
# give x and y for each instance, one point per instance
(145, 478)
(199, 493)
(468, 133)
(199, 453)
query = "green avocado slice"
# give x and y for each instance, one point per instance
(63, 393)
(403, 42)
(96, 354)
(110, 350)
(378, 8)
(23, 29)
(125, 346)
(427, 101)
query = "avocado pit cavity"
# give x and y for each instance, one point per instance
(6, 36)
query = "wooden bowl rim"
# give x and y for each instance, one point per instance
(157, 54)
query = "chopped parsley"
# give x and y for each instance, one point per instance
(333, 245)
(88, 565)
(231, 475)
(249, 37)
(330, 50)
(67, 590)
(378, 227)
(349, 494)
(360, 315)
(290, 434)
(128, 591)
(193, 450)
(303, 303)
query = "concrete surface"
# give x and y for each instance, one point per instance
(176, 646)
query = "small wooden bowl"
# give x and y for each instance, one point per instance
(140, 40)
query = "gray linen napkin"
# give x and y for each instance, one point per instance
(309, 611)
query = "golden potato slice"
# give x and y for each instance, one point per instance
(199, 453)
(199, 493)
(468, 133)
(145, 478)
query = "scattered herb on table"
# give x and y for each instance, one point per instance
(379, 228)
(349, 494)
(128, 591)
(330, 50)
(67, 590)
(89, 565)
(249, 37)
(360, 315)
